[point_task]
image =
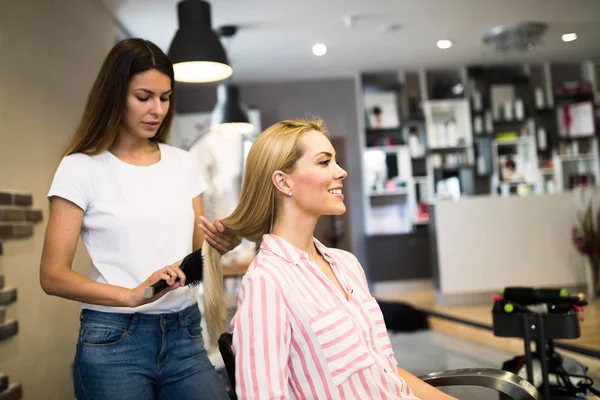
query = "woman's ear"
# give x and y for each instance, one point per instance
(282, 182)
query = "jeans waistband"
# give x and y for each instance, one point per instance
(178, 319)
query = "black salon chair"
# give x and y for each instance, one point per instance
(502, 381)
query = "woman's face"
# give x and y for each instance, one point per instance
(148, 98)
(316, 182)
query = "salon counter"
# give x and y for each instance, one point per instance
(482, 244)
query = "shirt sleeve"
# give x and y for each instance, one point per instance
(261, 340)
(73, 180)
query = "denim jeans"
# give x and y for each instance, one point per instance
(144, 357)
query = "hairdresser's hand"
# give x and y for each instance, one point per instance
(135, 296)
(218, 236)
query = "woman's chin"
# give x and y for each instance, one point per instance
(337, 210)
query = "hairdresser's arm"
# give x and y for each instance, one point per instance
(421, 389)
(261, 340)
(58, 279)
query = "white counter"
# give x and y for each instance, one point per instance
(487, 243)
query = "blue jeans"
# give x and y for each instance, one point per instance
(144, 357)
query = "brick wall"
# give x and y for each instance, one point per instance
(17, 219)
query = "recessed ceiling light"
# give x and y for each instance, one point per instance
(569, 37)
(319, 49)
(444, 44)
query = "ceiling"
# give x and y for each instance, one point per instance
(276, 36)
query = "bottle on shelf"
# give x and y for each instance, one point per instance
(541, 138)
(477, 103)
(539, 98)
(489, 123)
(519, 110)
(478, 125)
(508, 110)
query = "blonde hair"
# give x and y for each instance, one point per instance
(277, 148)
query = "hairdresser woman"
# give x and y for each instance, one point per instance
(136, 203)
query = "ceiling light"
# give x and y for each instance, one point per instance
(569, 37)
(196, 50)
(230, 115)
(444, 44)
(319, 49)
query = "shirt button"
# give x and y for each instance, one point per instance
(351, 290)
(385, 370)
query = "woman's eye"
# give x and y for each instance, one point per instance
(165, 100)
(143, 98)
(325, 163)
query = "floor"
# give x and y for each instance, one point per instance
(440, 352)
(425, 299)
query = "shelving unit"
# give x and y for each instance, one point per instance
(454, 128)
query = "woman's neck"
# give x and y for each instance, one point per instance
(297, 230)
(132, 148)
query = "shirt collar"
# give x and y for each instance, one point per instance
(284, 249)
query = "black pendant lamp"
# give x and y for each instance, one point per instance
(196, 51)
(230, 115)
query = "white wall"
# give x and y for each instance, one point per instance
(488, 243)
(50, 53)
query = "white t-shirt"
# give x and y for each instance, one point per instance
(137, 219)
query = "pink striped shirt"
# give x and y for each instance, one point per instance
(296, 336)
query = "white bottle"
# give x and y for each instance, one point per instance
(508, 110)
(478, 124)
(481, 170)
(477, 100)
(519, 110)
(539, 98)
(415, 146)
(541, 138)
(489, 124)
(452, 139)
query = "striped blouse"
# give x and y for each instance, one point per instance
(297, 337)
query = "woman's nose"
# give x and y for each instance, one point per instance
(341, 173)
(156, 108)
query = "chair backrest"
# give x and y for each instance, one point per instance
(228, 356)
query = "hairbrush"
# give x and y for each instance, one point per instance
(191, 266)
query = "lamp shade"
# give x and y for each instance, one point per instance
(196, 51)
(229, 115)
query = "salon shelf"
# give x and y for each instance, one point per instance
(383, 131)
(449, 149)
(586, 137)
(385, 149)
(397, 192)
(576, 157)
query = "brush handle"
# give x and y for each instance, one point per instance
(158, 287)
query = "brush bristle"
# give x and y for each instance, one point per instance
(192, 267)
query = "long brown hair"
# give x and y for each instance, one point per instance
(99, 127)
(279, 147)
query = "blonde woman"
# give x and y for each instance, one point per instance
(306, 326)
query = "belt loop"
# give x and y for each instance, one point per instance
(181, 318)
(133, 323)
